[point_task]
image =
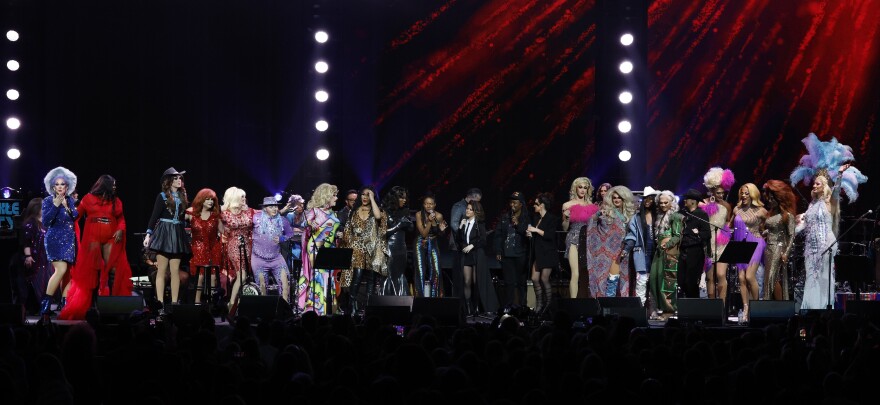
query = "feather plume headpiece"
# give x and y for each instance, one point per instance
(824, 159)
(717, 176)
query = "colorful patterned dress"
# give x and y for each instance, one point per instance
(312, 288)
(603, 240)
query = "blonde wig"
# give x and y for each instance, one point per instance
(322, 196)
(572, 192)
(629, 208)
(232, 199)
(754, 195)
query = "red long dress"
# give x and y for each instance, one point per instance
(103, 219)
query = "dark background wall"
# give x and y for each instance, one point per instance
(437, 96)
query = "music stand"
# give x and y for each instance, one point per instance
(330, 259)
(738, 252)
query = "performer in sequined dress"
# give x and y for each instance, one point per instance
(59, 214)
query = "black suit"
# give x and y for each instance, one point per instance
(545, 253)
(484, 291)
(695, 239)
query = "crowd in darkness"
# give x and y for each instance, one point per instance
(339, 360)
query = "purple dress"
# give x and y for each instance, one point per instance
(747, 224)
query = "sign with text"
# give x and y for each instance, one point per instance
(10, 213)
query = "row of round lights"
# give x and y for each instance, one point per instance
(625, 97)
(12, 122)
(322, 95)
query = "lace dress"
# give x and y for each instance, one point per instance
(819, 234)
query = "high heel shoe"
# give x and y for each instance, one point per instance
(45, 306)
(61, 305)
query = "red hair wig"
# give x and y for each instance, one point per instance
(203, 195)
(784, 196)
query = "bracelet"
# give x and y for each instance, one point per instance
(27, 255)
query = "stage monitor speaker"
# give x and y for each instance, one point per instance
(707, 311)
(447, 311)
(189, 314)
(390, 309)
(257, 308)
(579, 308)
(864, 309)
(762, 313)
(114, 308)
(12, 314)
(620, 302)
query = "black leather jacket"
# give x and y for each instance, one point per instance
(398, 225)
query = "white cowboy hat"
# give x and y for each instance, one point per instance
(650, 191)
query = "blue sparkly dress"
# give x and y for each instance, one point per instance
(60, 236)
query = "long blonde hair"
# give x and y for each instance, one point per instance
(629, 208)
(572, 192)
(322, 196)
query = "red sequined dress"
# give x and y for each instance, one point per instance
(206, 246)
(239, 227)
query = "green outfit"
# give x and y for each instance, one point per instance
(663, 280)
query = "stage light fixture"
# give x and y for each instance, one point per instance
(624, 156)
(12, 35)
(12, 65)
(322, 125)
(13, 153)
(625, 97)
(13, 123)
(7, 192)
(12, 94)
(322, 154)
(624, 126)
(626, 39)
(321, 96)
(277, 196)
(321, 66)
(626, 66)
(321, 37)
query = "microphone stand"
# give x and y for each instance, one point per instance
(828, 306)
(715, 229)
